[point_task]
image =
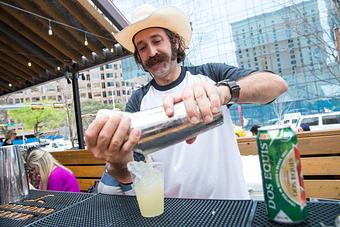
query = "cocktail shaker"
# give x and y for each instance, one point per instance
(13, 180)
(160, 131)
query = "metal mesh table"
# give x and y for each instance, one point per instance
(81, 209)
(105, 210)
(55, 201)
(320, 214)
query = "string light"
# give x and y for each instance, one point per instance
(58, 68)
(29, 64)
(111, 50)
(50, 32)
(86, 43)
(9, 85)
(55, 21)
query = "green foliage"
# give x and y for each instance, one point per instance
(91, 106)
(39, 120)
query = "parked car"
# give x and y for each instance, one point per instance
(291, 118)
(321, 121)
(58, 145)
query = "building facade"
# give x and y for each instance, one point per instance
(104, 84)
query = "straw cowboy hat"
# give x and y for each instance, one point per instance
(146, 16)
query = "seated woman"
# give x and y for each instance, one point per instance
(46, 173)
(10, 136)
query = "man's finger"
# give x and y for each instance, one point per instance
(215, 101)
(93, 130)
(169, 102)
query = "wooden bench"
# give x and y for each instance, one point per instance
(85, 167)
(320, 155)
(320, 158)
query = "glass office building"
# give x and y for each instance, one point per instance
(295, 40)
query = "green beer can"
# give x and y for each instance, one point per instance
(282, 177)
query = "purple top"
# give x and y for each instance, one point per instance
(62, 180)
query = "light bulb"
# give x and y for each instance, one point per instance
(111, 50)
(29, 64)
(50, 32)
(58, 68)
(9, 85)
(86, 43)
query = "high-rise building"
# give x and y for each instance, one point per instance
(291, 38)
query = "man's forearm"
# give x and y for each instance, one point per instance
(120, 173)
(261, 87)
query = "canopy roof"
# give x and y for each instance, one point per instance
(25, 39)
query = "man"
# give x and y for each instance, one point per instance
(208, 167)
(254, 129)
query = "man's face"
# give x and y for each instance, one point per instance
(155, 52)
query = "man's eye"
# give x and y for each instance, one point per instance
(141, 49)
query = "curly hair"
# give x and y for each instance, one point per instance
(176, 53)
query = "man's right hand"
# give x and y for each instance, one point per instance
(108, 138)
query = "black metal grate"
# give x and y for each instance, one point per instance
(320, 214)
(106, 210)
(57, 202)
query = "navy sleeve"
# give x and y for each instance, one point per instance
(133, 105)
(220, 71)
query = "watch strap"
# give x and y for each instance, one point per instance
(234, 89)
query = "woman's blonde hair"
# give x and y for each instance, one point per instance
(46, 163)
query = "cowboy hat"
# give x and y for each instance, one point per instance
(146, 16)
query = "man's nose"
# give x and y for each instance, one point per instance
(152, 51)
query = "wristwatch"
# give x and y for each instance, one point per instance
(233, 87)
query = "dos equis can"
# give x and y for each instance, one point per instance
(282, 178)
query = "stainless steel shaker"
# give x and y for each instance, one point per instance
(160, 131)
(13, 180)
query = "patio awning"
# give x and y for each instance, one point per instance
(40, 40)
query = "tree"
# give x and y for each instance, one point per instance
(319, 33)
(38, 120)
(281, 106)
(91, 106)
(89, 109)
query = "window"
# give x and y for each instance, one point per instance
(108, 66)
(109, 75)
(311, 121)
(102, 76)
(331, 119)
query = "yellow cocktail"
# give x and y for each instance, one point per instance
(149, 187)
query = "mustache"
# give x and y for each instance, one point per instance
(158, 58)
